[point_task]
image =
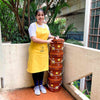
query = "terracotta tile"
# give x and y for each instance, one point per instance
(28, 94)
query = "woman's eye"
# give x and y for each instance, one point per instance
(38, 14)
(42, 14)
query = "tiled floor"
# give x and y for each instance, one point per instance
(28, 94)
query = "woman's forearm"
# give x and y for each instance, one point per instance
(37, 40)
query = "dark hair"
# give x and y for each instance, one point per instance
(38, 11)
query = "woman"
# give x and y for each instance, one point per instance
(38, 51)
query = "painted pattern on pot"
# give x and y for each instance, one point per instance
(54, 84)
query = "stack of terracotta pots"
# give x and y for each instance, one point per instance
(55, 64)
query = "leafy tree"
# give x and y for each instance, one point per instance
(7, 19)
(23, 12)
(14, 6)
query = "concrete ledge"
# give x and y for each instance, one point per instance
(75, 92)
(76, 6)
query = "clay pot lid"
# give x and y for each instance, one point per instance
(58, 40)
(55, 79)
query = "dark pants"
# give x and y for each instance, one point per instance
(38, 78)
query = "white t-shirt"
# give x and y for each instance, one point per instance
(32, 29)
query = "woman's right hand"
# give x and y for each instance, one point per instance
(49, 40)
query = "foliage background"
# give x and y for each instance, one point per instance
(15, 18)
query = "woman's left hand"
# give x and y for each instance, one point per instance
(57, 37)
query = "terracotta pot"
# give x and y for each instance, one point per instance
(56, 54)
(54, 84)
(56, 47)
(55, 61)
(55, 67)
(58, 40)
(55, 71)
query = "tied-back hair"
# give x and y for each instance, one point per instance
(38, 11)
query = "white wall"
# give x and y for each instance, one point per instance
(1, 68)
(78, 21)
(14, 64)
(15, 57)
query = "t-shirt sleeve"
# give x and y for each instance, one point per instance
(32, 30)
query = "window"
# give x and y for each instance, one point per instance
(94, 29)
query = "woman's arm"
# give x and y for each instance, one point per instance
(37, 40)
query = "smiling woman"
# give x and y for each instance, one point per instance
(39, 16)
(38, 51)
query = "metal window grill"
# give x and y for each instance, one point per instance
(94, 29)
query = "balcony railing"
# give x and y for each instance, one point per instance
(78, 62)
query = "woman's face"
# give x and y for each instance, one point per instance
(40, 17)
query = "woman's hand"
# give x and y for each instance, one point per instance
(57, 37)
(53, 37)
(49, 40)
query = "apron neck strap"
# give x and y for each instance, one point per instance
(36, 25)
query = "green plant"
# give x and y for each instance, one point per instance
(71, 27)
(58, 26)
(76, 84)
(74, 42)
(8, 24)
(84, 92)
